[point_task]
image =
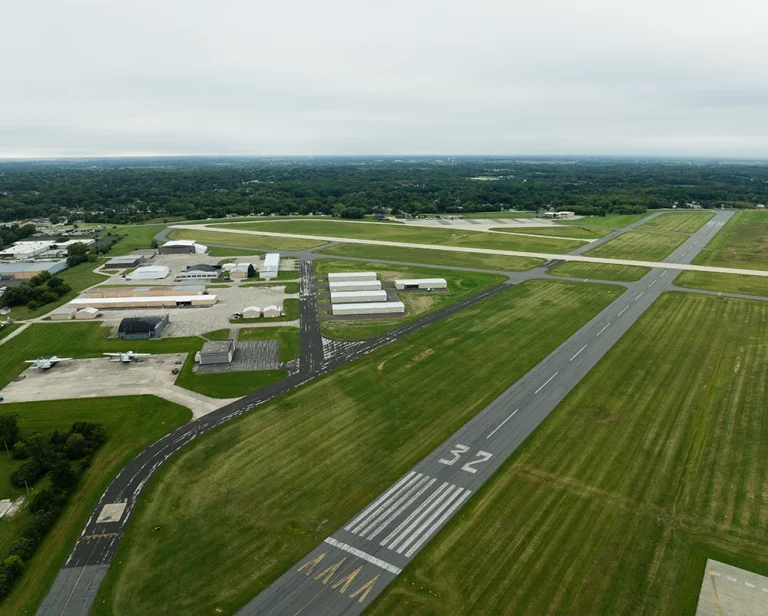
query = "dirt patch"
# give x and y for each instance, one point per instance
(380, 367)
(421, 356)
(449, 341)
(417, 304)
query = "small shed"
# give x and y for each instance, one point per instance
(271, 312)
(63, 313)
(86, 313)
(240, 271)
(252, 312)
(217, 352)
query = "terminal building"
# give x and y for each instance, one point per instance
(351, 297)
(270, 267)
(421, 283)
(369, 308)
(355, 285)
(142, 328)
(349, 276)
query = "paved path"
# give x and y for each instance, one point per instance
(346, 572)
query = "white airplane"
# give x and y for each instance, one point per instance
(45, 364)
(127, 357)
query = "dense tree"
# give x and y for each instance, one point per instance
(9, 429)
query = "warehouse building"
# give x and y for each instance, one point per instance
(369, 308)
(182, 247)
(421, 283)
(24, 270)
(200, 271)
(161, 301)
(63, 313)
(86, 313)
(124, 291)
(25, 250)
(216, 352)
(349, 276)
(351, 297)
(272, 312)
(355, 285)
(252, 312)
(142, 328)
(124, 262)
(149, 272)
(270, 267)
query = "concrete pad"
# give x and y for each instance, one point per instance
(111, 513)
(98, 378)
(730, 591)
(5, 505)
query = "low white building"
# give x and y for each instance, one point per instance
(146, 301)
(271, 312)
(355, 285)
(86, 313)
(182, 247)
(270, 267)
(252, 312)
(349, 276)
(369, 308)
(149, 272)
(352, 297)
(26, 250)
(421, 283)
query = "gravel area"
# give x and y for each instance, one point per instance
(249, 356)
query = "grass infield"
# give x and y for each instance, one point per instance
(599, 271)
(742, 242)
(638, 246)
(679, 222)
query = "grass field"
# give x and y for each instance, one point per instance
(638, 246)
(225, 384)
(250, 499)
(460, 284)
(434, 257)
(137, 237)
(657, 460)
(615, 221)
(7, 329)
(412, 234)
(239, 240)
(599, 271)
(132, 423)
(215, 251)
(586, 233)
(742, 242)
(727, 283)
(682, 222)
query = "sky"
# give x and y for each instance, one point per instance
(416, 77)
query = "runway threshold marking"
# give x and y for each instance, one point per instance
(578, 352)
(547, 383)
(364, 555)
(512, 414)
(602, 330)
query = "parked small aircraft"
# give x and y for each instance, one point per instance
(45, 364)
(127, 357)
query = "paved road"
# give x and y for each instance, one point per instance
(345, 573)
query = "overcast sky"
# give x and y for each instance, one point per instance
(657, 77)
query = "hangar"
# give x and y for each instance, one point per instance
(270, 266)
(351, 297)
(200, 270)
(421, 283)
(240, 271)
(349, 276)
(252, 312)
(182, 247)
(217, 352)
(272, 312)
(125, 291)
(151, 301)
(86, 313)
(369, 308)
(142, 328)
(355, 285)
(24, 270)
(149, 272)
(125, 261)
(63, 313)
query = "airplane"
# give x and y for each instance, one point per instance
(45, 364)
(127, 357)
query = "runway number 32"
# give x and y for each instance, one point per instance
(458, 451)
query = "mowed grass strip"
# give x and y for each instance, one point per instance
(412, 235)
(587, 233)
(136, 237)
(657, 460)
(434, 257)
(599, 271)
(638, 246)
(253, 497)
(677, 222)
(243, 240)
(615, 221)
(742, 242)
(727, 283)
(132, 423)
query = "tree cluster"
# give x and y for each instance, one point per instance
(52, 455)
(40, 290)
(14, 233)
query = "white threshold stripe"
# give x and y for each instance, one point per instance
(602, 330)
(547, 383)
(624, 310)
(426, 518)
(408, 503)
(364, 555)
(578, 352)
(437, 524)
(376, 512)
(404, 524)
(395, 502)
(496, 429)
(378, 500)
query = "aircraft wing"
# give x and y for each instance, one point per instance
(30, 361)
(64, 358)
(113, 354)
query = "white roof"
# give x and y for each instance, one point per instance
(354, 283)
(345, 294)
(180, 243)
(254, 308)
(240, 267)
(271, 308)
(272, 259)
(90, 310)
(336, 275)
(159, 271)
(143, 299)
(373, 305)
(421, 281)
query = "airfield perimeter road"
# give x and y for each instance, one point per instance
(352, 566)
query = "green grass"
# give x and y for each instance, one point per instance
(587, 233)
(460, 285)
(615, 221)
(7, 329)
(613, 505)
(599, 271)
(225, 384)
(267, 488)
(435, 257)
(240, 240)
(638, 246)
(287, 336)
(727, 283)
(132, 423)
(412, 234)
(79, 278)
(218, 334)
(742, 242)
(137, 237)
(290, 287)
(682, 222)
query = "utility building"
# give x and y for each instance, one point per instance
(216, 352)
(421, 283)
(272, 312)
(240, 271)
(369, 308)
(350, 297)
(349, 276)
(252, 312)
(355, 285)
(270, 266)
(142, 328)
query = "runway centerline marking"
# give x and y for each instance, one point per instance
(579, 351)
(602, 330)
(623, 310)
(653, 283)
(511, 415)
(663, 274)
(639, 296)
(545, 384)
